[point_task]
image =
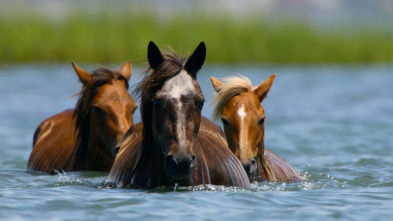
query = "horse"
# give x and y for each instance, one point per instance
(86, 137)
(239, 106)
(174, 144)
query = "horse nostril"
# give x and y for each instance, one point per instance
(250, 166)
(193, 157)
(172, 161)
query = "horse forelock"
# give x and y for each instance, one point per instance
(231, 87)
(100, 77)
(153, 80)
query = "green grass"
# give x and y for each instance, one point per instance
(106, 37)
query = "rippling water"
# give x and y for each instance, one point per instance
(332, 124)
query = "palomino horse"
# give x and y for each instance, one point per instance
(85, 138)
(243, 117)
(174, 144)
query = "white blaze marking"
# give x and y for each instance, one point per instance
(175, 88)
(179, 85)
(242, 132)
(242, 113)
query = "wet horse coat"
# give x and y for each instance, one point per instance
(239, 108)
(174, 144)
(85, 138)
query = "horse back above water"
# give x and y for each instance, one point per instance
(243, 117)
(174, 143)
(85, 138)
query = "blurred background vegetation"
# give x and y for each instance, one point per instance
(265, 31)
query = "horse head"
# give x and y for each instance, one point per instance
(243, 117)
(104, 110)
(172, 101)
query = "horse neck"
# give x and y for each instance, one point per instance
(89, 151)
(97, 155)
(153, 160)
(263, 168)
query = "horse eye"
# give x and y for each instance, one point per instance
(157, 104)
(261, 122)
(224, 121)
(97, 110)
(200, 105)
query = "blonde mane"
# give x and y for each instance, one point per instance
(230, 87)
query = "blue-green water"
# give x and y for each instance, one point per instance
(332, 124)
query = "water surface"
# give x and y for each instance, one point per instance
(332, 124)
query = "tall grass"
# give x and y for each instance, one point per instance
(105, 37)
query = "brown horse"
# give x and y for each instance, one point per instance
(243, 117)
(174, 144)
(85, 138)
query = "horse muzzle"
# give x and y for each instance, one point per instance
(179, 168)
(251, 168)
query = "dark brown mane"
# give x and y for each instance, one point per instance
(81, 115)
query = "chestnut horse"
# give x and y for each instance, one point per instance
(85, 138)
(243, 117)
(174, 143)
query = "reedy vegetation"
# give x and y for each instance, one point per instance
(106, 36)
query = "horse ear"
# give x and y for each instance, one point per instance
(84, 76)
(216, 84)
(196, 60)
(154, 55)
(126, 70)
(264, 87)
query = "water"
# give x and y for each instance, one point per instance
(332, 124)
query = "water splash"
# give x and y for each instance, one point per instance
(312, 180)
(109, 185)
(175, 187)
(213, 188)
(63, 178)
